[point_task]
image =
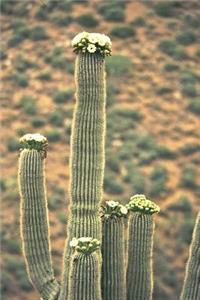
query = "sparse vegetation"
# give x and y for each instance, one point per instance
(123, 31)
(189, 177)
(62, 96)
(194, 106)
(114, 14)
(189, 90)
(28, 104)
(118, 65)
(158, 179)
(186, 38)
(165, 9)
(87, 20)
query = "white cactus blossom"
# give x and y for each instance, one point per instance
(35, 136)
(73, 242)
(112, 203)
(85, 239)
(124, 210)
(91, 48)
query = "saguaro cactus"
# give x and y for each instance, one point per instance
(85, 270)
(86, 171)
(140, 237)
(191, 287)
(113, 281)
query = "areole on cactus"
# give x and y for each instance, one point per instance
(96, 263)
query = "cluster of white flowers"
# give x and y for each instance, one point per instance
(113, 209)
(92, 42)
(85, 244)
(139, 203)
(33, 136)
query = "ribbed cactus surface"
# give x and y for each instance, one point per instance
(34, 220)
(113, 282)
(140, 247)
(191, 287)
(87, 154)
(85, 270)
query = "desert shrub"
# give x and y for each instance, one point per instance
(170, 67)
(194, 106)
(6, 279)
(13, 246)
(45, 76)
(112, 163)
(189, 177)
(62, 96)
(21, 64)
(198, 53)
(118, 65)
(28, 104)
(61, 20)
(183, 205)
(53, 135)
(23, 281)
(165, 9)
(7, 7)
(2, 184)
(102, 8)
(87, 20)
(38, 122)
(164, 152)
(55, 58)
(185, 234)
(127, 113)
(164, 90)
(13, 264)
(171, 48)
(114, 14)
(56, 118)
(19, 35)
(158, 179)
(135, 179)
(122, 31)
(190, 148)
(189, 77)
(38, 33)
(189, 90)
(111, 185)
(186, 38)
(138, 22)
(192, 21)
(21, 79)
(70, 67)
(62, 217)
(12, 144)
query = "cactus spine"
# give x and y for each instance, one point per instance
(34, 223)
(140, 237)
(191, 286)
(113, 281)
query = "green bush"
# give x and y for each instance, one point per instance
(170, 67)
(189, 177)
(14, 265)
(12, 144)
(2, 185)
(38, 33)
(164, 152)
(171, 48)
(21, 79)
(38, 122)
(6, 279)
(13, 246)
(112, 163)
(111, 185)
(46, 76)
(158, 179)
(183, 205)
(192, 21)
(62, 96)
(135, 179)
(19, 35)
(53, 135)
(28, 104)
(123, 31)
(114, 14)
(185, 234)
(56, 118)
(188, 77)
(164, 90)
(165, 9)
(87, 20)
(56, 59)
(189, 90)
(118, 65)
(190, 148)
(23, 281)
(62, 217)
(138, 22)
(62, 21)
(186, 38)
(194, 106)
(21, 64)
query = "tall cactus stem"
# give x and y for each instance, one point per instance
(34, 220)
(140, 247)
(191, 286)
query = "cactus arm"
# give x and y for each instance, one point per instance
(113, 281)
(140, 247)
(87, 154)
(191, 286)
(84, 279)
(34, 223)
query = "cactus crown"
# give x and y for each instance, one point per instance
(139, 203)
(92, 43)
(33, 141)
(112, 209)
(85, 245)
